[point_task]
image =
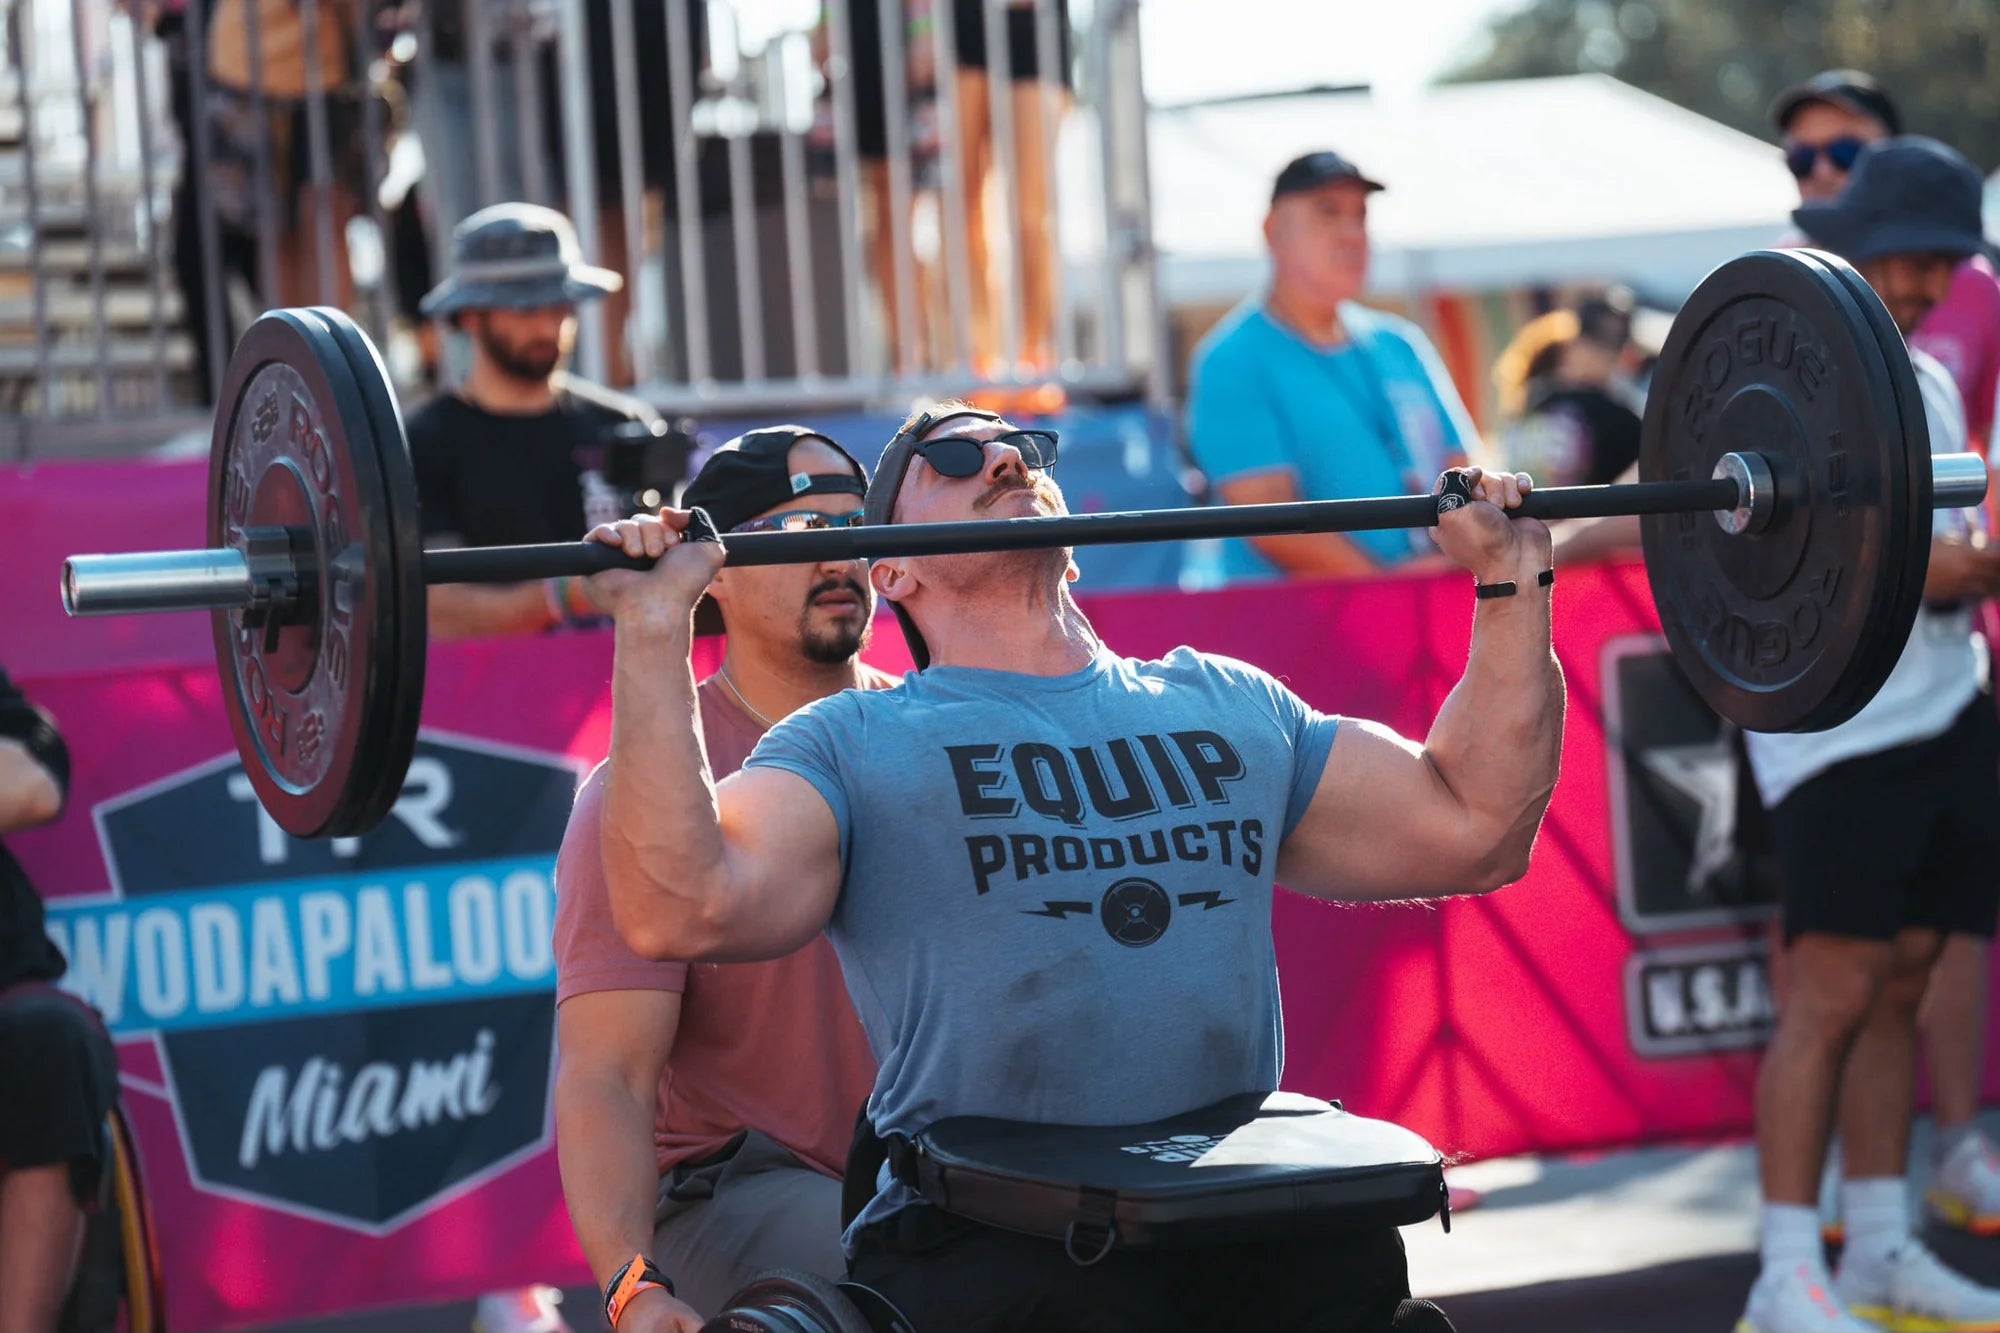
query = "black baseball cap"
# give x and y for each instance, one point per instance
(1316, 169)
(1849, 89)
(1909, 195)
(752, 474)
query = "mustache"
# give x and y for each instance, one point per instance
(819, 590)
(1003, 487)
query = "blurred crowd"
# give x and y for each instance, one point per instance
(296, 121)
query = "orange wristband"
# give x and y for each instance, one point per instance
(636, 1276)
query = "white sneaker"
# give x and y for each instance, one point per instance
(1916, 1293)
(523, 1310)
(1965, 1193)
(1798, 1299)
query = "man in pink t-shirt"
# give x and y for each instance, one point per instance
(703, 1112)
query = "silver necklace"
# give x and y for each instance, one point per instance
(723, 674)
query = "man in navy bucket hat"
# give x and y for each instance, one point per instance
(1885, 842)
(513, 455)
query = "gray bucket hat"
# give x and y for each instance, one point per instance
(516, 256)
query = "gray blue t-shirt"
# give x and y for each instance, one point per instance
(1057, 894)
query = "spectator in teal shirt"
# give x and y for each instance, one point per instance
(1301, 393)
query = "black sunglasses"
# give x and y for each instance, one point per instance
(965, 456)
(1799, 158)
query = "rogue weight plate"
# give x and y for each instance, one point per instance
(1916, 534)
(311, 703)
(395, 743)
(1795, 627)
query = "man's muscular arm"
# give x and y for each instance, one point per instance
(614, 1047)
(1459, 813)
(750, 870)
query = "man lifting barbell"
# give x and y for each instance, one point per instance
(1051, 782)
(1788, 480)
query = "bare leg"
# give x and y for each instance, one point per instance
(617, 308)
(882, 255)
(41, 1230)
(1953, 1019)
(975, 131)
(1833, 986)
(1040, 248)
(1878, 1087)
(298, 250)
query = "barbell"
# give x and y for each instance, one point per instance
(1786, 490)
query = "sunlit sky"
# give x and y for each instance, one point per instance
(1208, 48)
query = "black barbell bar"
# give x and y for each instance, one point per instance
(223, 579)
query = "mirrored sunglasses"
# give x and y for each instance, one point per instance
(799, 520)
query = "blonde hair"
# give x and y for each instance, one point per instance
(1531, 355)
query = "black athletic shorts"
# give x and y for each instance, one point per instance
(1024, 59)
(1908, 836)
(871, 93)
(60, 1073)
(944, 1272)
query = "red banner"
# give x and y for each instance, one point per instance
(337, 1055)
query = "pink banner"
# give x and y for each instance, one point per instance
(337, 1055)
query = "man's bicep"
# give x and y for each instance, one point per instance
(1380, 823)
(782, 844)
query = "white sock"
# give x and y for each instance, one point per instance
(1877, 1215)
(1789, 1236)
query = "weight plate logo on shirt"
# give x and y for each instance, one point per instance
(1135, 912)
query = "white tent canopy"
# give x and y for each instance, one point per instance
(1491, 185)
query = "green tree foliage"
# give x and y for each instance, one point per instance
(1727, 58)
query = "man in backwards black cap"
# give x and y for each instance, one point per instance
(703, 1113)
(1048, 869)
(1886, 842)
(511, 457)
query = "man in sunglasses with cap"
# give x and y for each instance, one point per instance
(1824, 123)
(703, 1113)
(962, 839)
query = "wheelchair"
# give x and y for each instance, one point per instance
(1093, 1187)
(118, 1272)
(785, 1302)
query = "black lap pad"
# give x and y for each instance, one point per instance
(1242, 1169)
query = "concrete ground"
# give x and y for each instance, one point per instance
(1656, 1240)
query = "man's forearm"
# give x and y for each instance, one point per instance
(610, 1176)
(1497, 741)
(662, 843)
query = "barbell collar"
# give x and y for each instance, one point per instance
(1958, 481)
(1757, 490)
(116, 585)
